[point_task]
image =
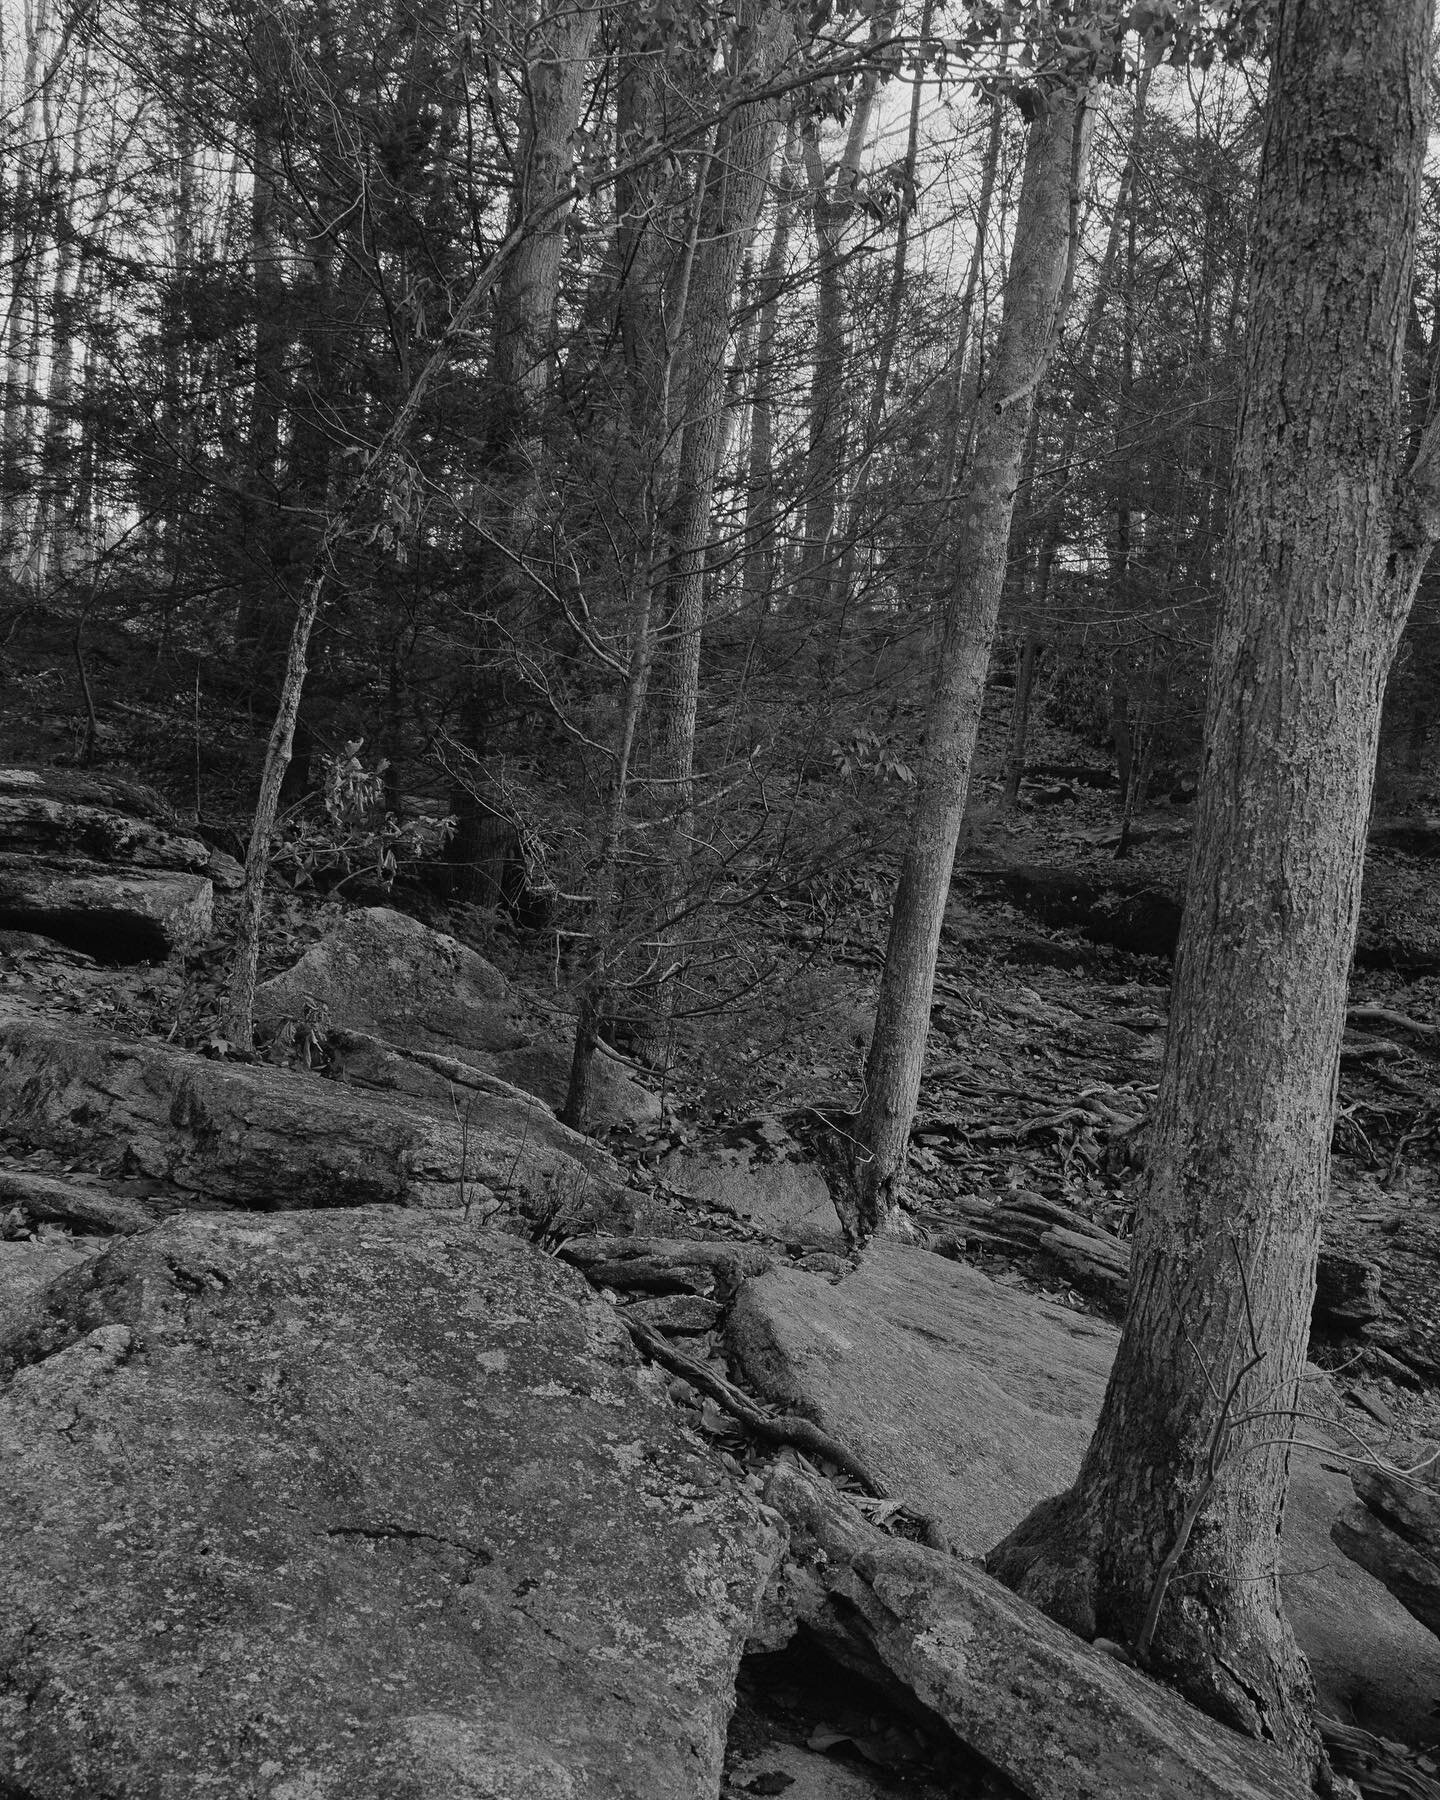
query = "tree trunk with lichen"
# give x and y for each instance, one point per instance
(1168, 1540)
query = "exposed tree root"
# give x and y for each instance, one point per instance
(1226, 1648)
(772, 1428)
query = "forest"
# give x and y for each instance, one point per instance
(719, 956)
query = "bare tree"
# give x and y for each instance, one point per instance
(870, 1165)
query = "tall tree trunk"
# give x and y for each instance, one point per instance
(1169, 1538)
(757, 580)
(872, 1167)
(267, 260)
(1121, 544)
(960, 356)
(557, 57)
(555, 48)
(745, 142)
(1051, 513)
(650, 377)
(887, 338)
(834, 209)
(26, 254)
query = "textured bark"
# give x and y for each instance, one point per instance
(267, 261)
(1180, 1496)
(886, 338)
(26, 253)
(1050, 515)
(870, 1196)
(47, 442)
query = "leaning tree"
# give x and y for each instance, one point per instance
(868, 1161)
(1168, 1540)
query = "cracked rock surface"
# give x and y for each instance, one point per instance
(356, 1505)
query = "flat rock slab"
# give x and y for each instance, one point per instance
(976, 1401)
(246, 1134)
(392, 985)
(360, 1506)
(78, 1202)
(759, 1173)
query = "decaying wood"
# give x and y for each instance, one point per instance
(1059, 1718)
(1380, 1769)
(1396, 1021)
(1355, 1053)
(1097, 1261)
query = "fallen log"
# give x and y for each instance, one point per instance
(1062, 1720)
(1395, 1021)
(1089, 1262)
(1347, 1292)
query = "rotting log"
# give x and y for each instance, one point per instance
(1060, 1718)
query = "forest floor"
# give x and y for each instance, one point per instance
(1043, 1060)
(1045, 1052)
(1045, 1045)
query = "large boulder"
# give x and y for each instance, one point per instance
(244, 1134)
(976, 1401)
(102, 866)
(382, 973)
(357, 1506)
(387, 987)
